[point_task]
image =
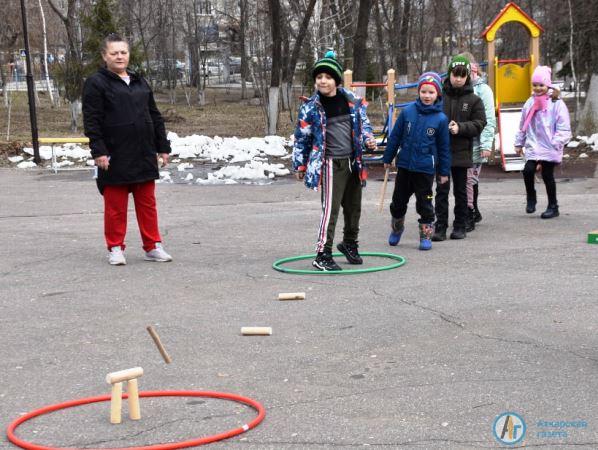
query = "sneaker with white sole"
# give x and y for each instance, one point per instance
(158, 254)
(116, 257)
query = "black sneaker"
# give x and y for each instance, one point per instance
(325, 262)
(349, 249)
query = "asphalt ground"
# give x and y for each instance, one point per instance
(425, 356)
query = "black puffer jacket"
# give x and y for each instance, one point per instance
(123, 122)
(467, 109)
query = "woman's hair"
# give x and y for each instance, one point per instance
(112, 37)
(459, 71)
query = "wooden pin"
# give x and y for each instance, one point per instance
(158, 343)
(116, 403)
(291, 296)
(133, 391)
(256, 331)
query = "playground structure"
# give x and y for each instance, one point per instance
(510, 80)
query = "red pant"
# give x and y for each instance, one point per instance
(116, 199)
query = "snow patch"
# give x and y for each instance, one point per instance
(26, 165)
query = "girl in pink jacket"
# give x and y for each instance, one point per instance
(544, 130)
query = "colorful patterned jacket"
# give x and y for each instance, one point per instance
(310, 136)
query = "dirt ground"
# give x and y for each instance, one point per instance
(225, 114)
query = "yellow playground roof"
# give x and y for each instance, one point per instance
(512, 13)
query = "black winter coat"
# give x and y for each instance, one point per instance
(123, 122)
(467, 109)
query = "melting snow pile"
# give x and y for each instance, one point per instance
(591, 141)
(241, 159)
(254, 152)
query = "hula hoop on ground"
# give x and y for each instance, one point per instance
(10, 431)
(278, 265)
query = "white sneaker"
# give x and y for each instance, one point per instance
(116, 257)
(158, 254)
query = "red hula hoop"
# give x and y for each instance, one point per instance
(10, 431)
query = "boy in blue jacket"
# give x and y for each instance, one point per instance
(422, 134)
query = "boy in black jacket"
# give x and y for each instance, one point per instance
(467, 118)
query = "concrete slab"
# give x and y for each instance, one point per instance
(424, 356)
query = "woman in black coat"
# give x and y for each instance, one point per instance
(127, 138)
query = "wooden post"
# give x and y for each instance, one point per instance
(390, 91)
(348, 79)
(490, 68)
(116, 403)
(535, 51)
(133, 391)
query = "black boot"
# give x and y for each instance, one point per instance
(531, 206)
(477, 217)
(551, 212)
(458, 233)
(470, 224)
(439, 232)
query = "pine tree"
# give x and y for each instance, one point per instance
(98, 24)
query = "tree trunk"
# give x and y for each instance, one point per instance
(380, 41)
(404, 33)
(45, 39)
(273, 92)
(75, 108)
(73, 83)
(288, 70)
(242, 37)
(360, 60)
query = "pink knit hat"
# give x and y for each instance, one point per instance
(542, 75)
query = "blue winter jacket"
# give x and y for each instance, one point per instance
(310, 142)
(421, 132)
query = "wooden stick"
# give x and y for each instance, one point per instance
(256, 331)
(116, 402)
(133, 390)
(291, 296)
(158, 343)
(124, 375)
(383, 190)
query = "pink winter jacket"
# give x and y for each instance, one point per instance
(547, 133)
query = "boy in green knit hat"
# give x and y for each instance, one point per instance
(332, 130)
(467, 118)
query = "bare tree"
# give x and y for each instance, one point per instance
(288, 70)
(45, 62)
(273, 93)
(73, 66)
(360, 62)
